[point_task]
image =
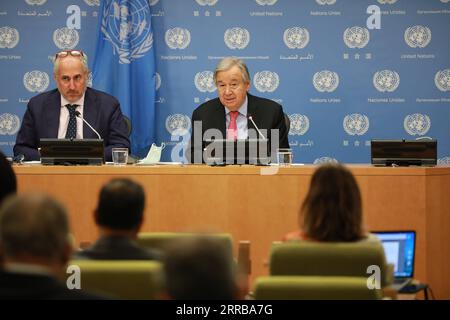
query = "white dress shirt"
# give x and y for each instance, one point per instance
(241, 120)
(64, 118)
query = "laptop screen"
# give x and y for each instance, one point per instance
(72, 151)
(399, 248)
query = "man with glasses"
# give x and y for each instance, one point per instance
(235, 111)
(58, 113)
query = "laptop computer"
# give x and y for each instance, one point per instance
(403, 152)
(246, 151)
(399, 248)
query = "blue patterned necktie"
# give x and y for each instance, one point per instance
(71, 132)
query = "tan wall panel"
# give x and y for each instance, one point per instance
(261, 208)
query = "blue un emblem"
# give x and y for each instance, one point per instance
(417, 124)
(128, 28)
(356, 124)
(442, 80)
(9, 124)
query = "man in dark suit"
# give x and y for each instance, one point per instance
(35, 244)
(52, 114)
(119, 216)
(236, 113)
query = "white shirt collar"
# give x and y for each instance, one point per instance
(79, 102)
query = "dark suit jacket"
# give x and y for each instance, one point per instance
(117, 248)
(33, 286)
(41, 120)
(266, 114)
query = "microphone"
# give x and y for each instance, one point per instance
(256, 127)
(78, 114)
(19, 158)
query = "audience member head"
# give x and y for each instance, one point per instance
(332, 209)
(34, 229)
(71, 73)
(8, 184)
(200, 268)
(120, 206)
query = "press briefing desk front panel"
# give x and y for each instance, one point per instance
(261, 208)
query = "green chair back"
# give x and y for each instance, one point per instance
(128, 124)
(314, 288)
(350, 259)
(161, 240)
(122, 279)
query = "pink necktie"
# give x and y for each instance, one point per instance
(232, 127)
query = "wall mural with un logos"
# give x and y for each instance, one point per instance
(345, 71)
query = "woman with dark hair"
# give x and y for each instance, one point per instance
(332, 209)
(8, 184)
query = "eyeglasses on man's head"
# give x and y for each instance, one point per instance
(65, 53)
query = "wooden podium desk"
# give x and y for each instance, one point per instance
(261, 208)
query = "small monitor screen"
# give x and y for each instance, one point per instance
(399, 248)
(248, 151)
(71, 151)
(403, 152)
